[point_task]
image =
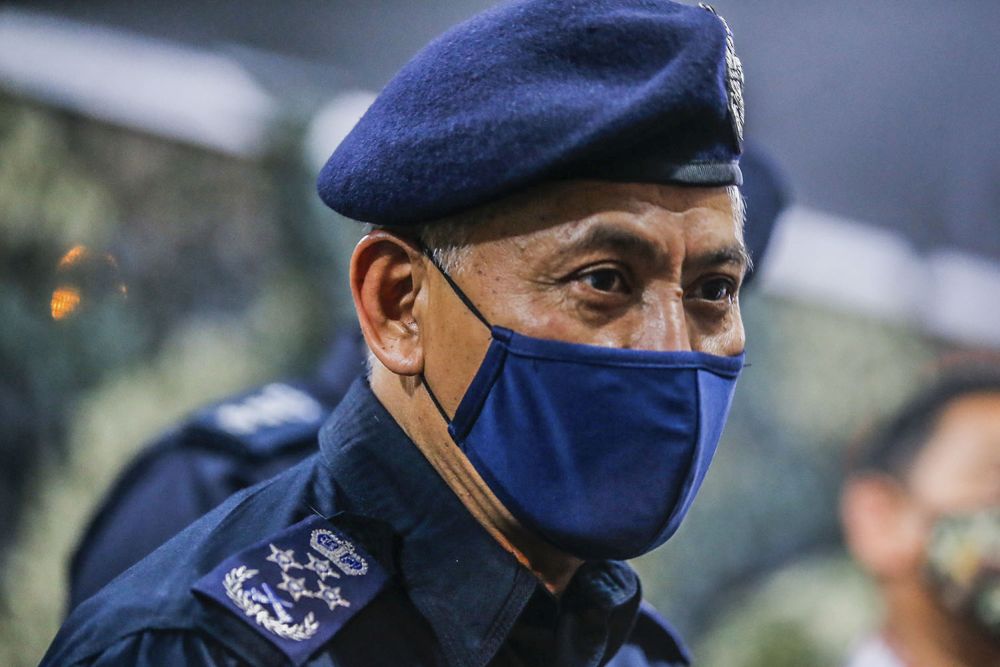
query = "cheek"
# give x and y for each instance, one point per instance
(454, 345)
(724, 337)
(548, 316)
(451, 362)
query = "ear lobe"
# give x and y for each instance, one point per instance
(880, 527)
(385, 281)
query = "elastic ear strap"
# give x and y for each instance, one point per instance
(454, 286)
(434, 399)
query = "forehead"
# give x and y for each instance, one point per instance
(561, 209)
(959, 467)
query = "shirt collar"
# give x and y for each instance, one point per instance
(468, 588)
(462, 581)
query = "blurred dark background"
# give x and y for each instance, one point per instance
(883, 112)
(161, 245)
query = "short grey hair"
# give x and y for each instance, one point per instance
(448, 240)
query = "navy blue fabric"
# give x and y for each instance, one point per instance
(648, 648)
(598, 450)
(219, 450)
(453, 596)
(535, 90)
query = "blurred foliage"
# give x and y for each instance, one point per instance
(194, 280)
(808, 614)
(49, 201)
(199, 362)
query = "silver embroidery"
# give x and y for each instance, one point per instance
(321, 567)
(734, 78)
(268, 609)
(284, 558)
(247, 602)
(331, 596)
(340, 552)
(294, 587)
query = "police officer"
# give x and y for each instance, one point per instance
(247, 438)
(550, 297)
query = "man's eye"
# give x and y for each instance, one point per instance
(604, 280)
(716, 289)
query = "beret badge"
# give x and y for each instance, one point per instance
(734, 78)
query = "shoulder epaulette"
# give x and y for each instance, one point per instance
(298, 587)
(265, 420)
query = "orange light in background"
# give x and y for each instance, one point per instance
(75, 254)
(85, 279)
(65, 301)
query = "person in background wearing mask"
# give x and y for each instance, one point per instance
(549, 292)
(921, 515)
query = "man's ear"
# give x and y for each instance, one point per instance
(882, 529)
(386, 276)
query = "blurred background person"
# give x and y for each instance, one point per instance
(921, 515)
(219, 449)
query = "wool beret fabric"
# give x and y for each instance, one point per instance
(538, 90)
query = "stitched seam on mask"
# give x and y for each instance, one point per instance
(627, 364)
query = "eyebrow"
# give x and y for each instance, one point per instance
(605, 236)
(625, 242)
(735, 254)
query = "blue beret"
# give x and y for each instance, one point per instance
(537, 90)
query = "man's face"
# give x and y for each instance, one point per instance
(955, 489)
(959, 469)
(648, 267)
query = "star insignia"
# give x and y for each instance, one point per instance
(331, 596)
(295, 587)
(283, 558)
(321, 567)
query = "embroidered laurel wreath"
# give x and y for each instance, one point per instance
(233, 584)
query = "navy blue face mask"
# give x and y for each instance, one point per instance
(600, 451)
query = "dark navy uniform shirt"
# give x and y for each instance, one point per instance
(359, 555)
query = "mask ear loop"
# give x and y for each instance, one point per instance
(454, 286)
(468, 304)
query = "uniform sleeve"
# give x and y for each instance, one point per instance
(163, 648)
(125, 530)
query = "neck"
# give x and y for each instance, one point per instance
(926, 635)
(413, 410)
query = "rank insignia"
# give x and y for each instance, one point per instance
(280, 586)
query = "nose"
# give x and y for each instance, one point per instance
(665, 327)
